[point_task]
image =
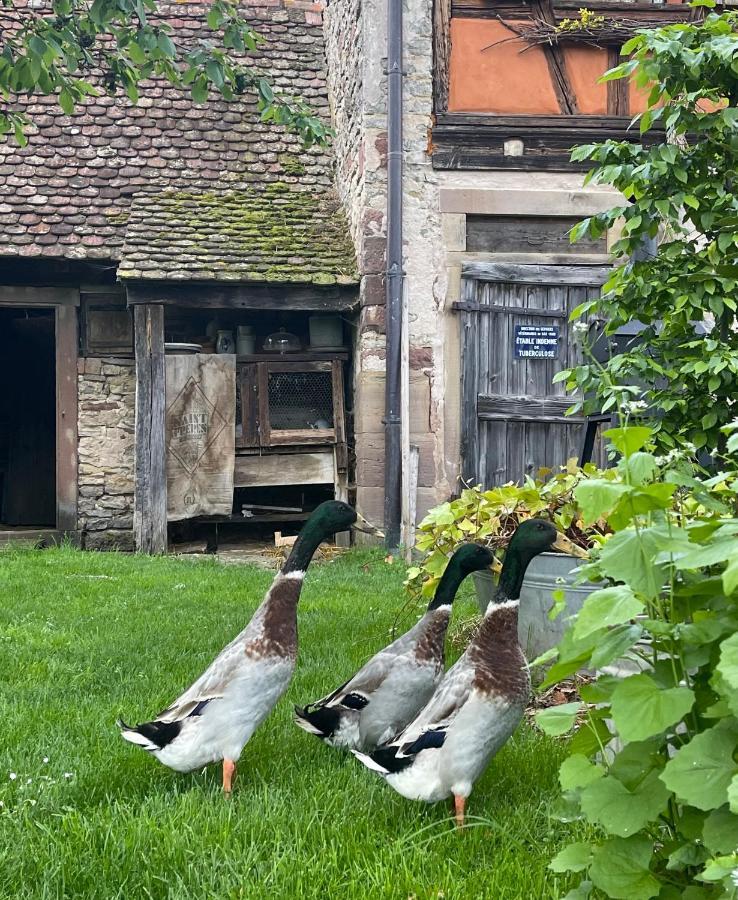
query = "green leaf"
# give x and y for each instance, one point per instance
(635, 761)
(597, 497)
(719, 868)
(733, 796)
(580, 892)
(639, 467)
(728, 664)
(573, 858)
(608, 606)
(607, 802)
(557, 719)
(630, 556)
(620, 868)
(614, 644)
(628, 440)
(730, 578)
(66, 101)
(701, 771)
(640, 708)
(708, 555)
(577, 771)
(720, 831)
(590, 738)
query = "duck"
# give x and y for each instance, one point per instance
(387, 693)
(480, 701)
(216, 716)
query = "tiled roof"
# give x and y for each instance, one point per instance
(69, 192)
(270, 233)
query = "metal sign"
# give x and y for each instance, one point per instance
(536, 342)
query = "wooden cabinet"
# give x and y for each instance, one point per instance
(289, 401)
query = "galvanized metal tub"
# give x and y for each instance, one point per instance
(546, 573)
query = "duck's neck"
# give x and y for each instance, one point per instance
(303, 549)
(513, 572)
(448, 585)
(499, 626)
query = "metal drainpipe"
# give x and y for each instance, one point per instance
(394, 275)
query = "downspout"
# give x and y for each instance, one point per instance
(393, 280)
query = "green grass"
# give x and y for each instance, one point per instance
(87, 637)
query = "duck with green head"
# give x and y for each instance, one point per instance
(394, 685)
(215, 717)
(481, 699)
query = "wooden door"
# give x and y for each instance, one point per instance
(516, 336)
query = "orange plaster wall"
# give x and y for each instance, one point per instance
(584, 65)
(499, 80)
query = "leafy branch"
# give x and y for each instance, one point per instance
(76, 49)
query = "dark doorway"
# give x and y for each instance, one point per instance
(27, 417)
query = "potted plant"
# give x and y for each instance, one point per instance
(490, 517)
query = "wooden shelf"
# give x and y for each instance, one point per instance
(300, 356)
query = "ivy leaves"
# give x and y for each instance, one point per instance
(681, 190)
(663, 796)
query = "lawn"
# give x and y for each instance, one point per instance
(86, 637)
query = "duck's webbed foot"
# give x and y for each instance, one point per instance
(459, 803)
(229, 773)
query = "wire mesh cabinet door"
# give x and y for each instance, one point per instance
(300, 403)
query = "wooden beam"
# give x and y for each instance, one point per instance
(567, 98)
(150, 497)
(17, 295)
(66, 417)
(522, 274)
(243, 295)
(618, 91)
(441, 53)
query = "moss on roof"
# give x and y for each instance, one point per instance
(271, 233)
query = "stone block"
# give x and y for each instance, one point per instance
(373, 290)
(109, 540)
(453, 227)
(373, 255)
(371, 318)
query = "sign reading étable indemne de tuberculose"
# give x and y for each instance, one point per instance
(536, 342)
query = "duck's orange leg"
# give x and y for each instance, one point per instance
(459, 807)
(229, 773)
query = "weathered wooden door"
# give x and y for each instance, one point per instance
(516, 336)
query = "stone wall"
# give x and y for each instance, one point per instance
(434, 237)
(107, 389)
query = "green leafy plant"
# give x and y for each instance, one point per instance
(680, 187)
(490, 517)
(75, 48)
(654, 766)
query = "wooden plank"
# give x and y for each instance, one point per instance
(243, 295)
(492, 9)
(441, 53)
(284, 468)
(554, 53)
(66, 417)
(469, 359)
(150, 495)
(19, 295)
(247, 376)
(39, 537)
(279, 436)
(265, 428)
(527, 234)
(315, 366)
(339, 413)
(525, 409)
(460, 306)
(301, 356)
(618, 91)
(523, 274)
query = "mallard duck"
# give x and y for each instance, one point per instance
(388, 692)
(481, 699)
(215, 717)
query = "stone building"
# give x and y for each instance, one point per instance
(156, 225)
(489, 194)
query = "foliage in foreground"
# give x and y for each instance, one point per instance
(681, 188)
(490, 518)
(68, 47)
(654, 768)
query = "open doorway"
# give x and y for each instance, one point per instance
(27, 418)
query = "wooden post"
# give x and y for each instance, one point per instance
(150, 500)
(66, 417)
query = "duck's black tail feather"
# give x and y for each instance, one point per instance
(322, 721)
(151, 736)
